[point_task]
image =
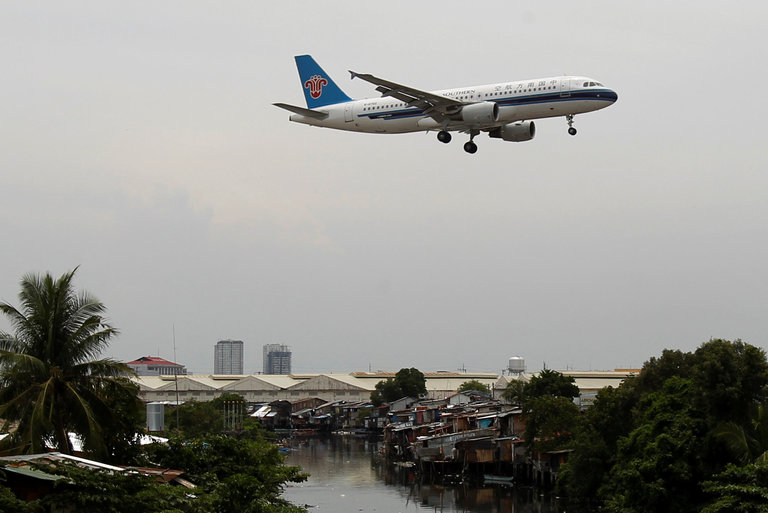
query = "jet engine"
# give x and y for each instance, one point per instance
(483, 112)
(515, 132)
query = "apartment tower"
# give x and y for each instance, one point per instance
(277, 359)
(228, 357)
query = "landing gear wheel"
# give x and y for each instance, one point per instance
(569, 119)
(470, 147)
(443, 136)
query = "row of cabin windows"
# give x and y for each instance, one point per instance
(499, 93)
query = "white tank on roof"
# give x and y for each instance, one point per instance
(516, 365)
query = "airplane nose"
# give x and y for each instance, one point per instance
(611, 94)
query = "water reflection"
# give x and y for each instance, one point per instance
(347, 475)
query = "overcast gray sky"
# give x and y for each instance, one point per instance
(138, 141)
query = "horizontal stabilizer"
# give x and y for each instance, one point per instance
(302, 111)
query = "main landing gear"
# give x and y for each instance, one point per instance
(470, 147)
(569, 119)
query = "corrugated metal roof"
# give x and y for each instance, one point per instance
(27, 471)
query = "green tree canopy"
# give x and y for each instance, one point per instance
(515, 392)
(551, 383)
(659, 462)
(738, 490)
(550, 422)
(52, 380)
(474, 386)
(650, 444)
(406, 383)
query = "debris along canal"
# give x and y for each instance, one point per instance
(347, 475)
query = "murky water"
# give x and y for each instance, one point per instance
(347, 476)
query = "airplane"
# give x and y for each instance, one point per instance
(504, 110)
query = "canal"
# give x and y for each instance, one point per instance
(348, 476)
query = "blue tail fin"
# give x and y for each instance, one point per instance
(319, 89)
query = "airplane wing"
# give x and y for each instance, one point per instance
(433, 105)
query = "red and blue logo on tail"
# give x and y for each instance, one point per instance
(319, 89)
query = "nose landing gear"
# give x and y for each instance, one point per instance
(569, 119)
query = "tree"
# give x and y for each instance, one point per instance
(595, 442)
(196, 419)
(550, 422)
(649, 445)
(406, 383)
(234, 475)
(738, 490)
(51, 380)
(515, 392)
(474, 386)
(732, 378)
(658, 465)
(747, 443)
(8, 501)
(552, 383)
(412, 382)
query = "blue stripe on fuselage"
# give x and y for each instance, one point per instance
(605, 95)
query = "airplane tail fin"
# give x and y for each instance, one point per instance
(319, 89)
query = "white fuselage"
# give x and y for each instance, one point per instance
(517, 101)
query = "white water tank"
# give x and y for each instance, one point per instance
(516, 365)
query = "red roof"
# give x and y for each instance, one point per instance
(152, 360)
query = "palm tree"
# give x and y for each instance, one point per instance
(748, 444)
(51, 382)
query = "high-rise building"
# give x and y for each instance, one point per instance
(228, 357)
(277, 359)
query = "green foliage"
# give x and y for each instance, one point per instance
(595, 442)
(658, 464)
(738, 490)
(474, 386)
(731, 378)
(550, 422)
(407, 383)
(547, 383)
(515, 392)
(100, 491)
(200, 418)
(748, 442)
(233, 473)
(648, 445)
(8, 501)
(551, 383)
(50, 380)
(232, 476)
(195, 419)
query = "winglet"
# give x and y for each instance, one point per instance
(352, 74)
